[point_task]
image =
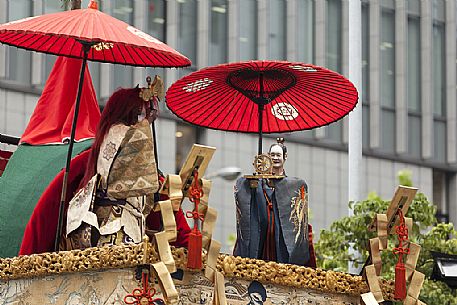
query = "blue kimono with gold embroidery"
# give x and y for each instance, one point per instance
(272, 220)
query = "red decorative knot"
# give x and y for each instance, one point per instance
(93, 4)
(400, 270)
(402, 232)
(142, 296)
(195, 193)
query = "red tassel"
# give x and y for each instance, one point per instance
(400, 281)
(194, 250)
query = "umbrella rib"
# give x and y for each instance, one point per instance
(321, 115)
(140, 57)
(129, 53)
(34, 39)
(207, 103)
(299, 105)
(16, 37)
(46, 39)
(112, 53)
(250, 117)
(286, 121)
(267, 117)
(334, 106)
(164, 55)
(218, 106)
(209, 90)
(306, 111)
(235, 114)
(62, 45)
(245, 106)
(122, 54)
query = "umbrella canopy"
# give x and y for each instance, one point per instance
(113, 41)
(52, 118)
(262, 97)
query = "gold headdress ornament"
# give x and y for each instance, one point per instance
(153, 89)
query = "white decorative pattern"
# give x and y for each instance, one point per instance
(197, 85)
(143, 35)
(303, 68)
(284, 111)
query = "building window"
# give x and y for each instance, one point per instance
(333, 57)
(277, 16)
(186, 135)
(122, 75)
(414, 7)
(438, 71)
(19, 60)
(187, 34)
(333, 41)
(305, 30)
(365, 77)
(387, 53)
(248, 30)
(156, 16)
(439, 97)
(414, 87)
(218, 32)
(365, 55)
(441, 194)
(50, 7)
(387, 48)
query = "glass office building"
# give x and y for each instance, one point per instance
(408, 89)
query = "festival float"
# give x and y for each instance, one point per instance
(253, 97)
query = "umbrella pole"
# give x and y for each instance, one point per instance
(86, 47)
(155, 144)
(260, 106)
(260, 110)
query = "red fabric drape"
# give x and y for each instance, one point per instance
(52, 118)
(312, 254)
(4, 157)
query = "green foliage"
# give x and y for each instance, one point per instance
(332, 248)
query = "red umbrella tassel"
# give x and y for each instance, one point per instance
(194, 250)
(400, 272)
(400, 281)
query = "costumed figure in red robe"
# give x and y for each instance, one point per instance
(104, 211)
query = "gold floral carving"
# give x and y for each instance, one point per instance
(124, 256)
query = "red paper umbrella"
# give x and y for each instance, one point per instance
(90, 35)
(262, 97)
(110, 40)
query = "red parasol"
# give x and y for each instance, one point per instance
(262, 97)
(111, 40)
(90, 35)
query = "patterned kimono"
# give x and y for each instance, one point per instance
(108, 221)
(272, 220)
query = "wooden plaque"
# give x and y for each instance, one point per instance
(403, 197)
(198, 157)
